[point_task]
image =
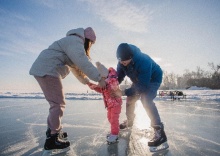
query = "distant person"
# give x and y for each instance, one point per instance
(146, 77)
(172, 95)
(161, 94)
(112, 104)
(70, 53)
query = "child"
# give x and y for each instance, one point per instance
(112, 104)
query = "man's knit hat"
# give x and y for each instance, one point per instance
(102, 69)
(124, 52)
(90, 34)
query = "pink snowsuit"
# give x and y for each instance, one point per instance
(112, 104)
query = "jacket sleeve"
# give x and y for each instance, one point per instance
(79, 75)
(74, 48)
(94, 87)
(121, 74)
(144, 76)
(113, 83)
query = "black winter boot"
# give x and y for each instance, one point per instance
(125, 125)
(54, 142)
(62, 135)
(159, 136)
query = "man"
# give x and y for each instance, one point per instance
(146, 77)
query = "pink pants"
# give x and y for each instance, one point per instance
(113, 118)
(53, 92)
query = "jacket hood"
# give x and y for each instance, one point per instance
(112, 72)
(79, 32)
(135, 51)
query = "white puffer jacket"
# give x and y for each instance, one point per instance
(65, 55)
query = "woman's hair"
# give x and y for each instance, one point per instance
(86, 46)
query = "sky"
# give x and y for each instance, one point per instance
(178, 35)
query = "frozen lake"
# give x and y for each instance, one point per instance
(192, 127)
(22, 129)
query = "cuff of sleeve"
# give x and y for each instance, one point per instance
(86, 80)
(129, 92)
(123, 92)
(99, 78)
(102, 78)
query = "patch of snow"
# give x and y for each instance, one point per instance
(198, 88)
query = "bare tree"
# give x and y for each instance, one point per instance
(199, 78)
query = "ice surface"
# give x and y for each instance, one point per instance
(23, 127)
(192, 126)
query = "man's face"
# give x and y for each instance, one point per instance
(126, 62)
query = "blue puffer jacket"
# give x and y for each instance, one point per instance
(142, 71)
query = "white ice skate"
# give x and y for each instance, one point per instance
(55, 151)
(111, 139)
(159, 148)
(108, 135)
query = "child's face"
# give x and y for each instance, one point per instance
(126, 62)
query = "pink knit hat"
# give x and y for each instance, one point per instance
(90, 34)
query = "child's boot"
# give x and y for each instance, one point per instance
(111, 139)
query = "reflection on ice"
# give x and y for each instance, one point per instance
(144, 141)
(113, 149)
(159, 148)
(56, 152)
(142, 121)
(161, 153)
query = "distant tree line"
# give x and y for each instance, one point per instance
(199, 78)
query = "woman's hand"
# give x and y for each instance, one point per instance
(117, 93)
(102, 83)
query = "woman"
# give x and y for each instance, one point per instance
(71, 53)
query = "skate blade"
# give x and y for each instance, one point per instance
(110, 143)
(55, 151)
(64, 139)
(160, 153)
(159, 148)
(107, 136)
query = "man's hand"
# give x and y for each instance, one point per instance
(117, 93)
